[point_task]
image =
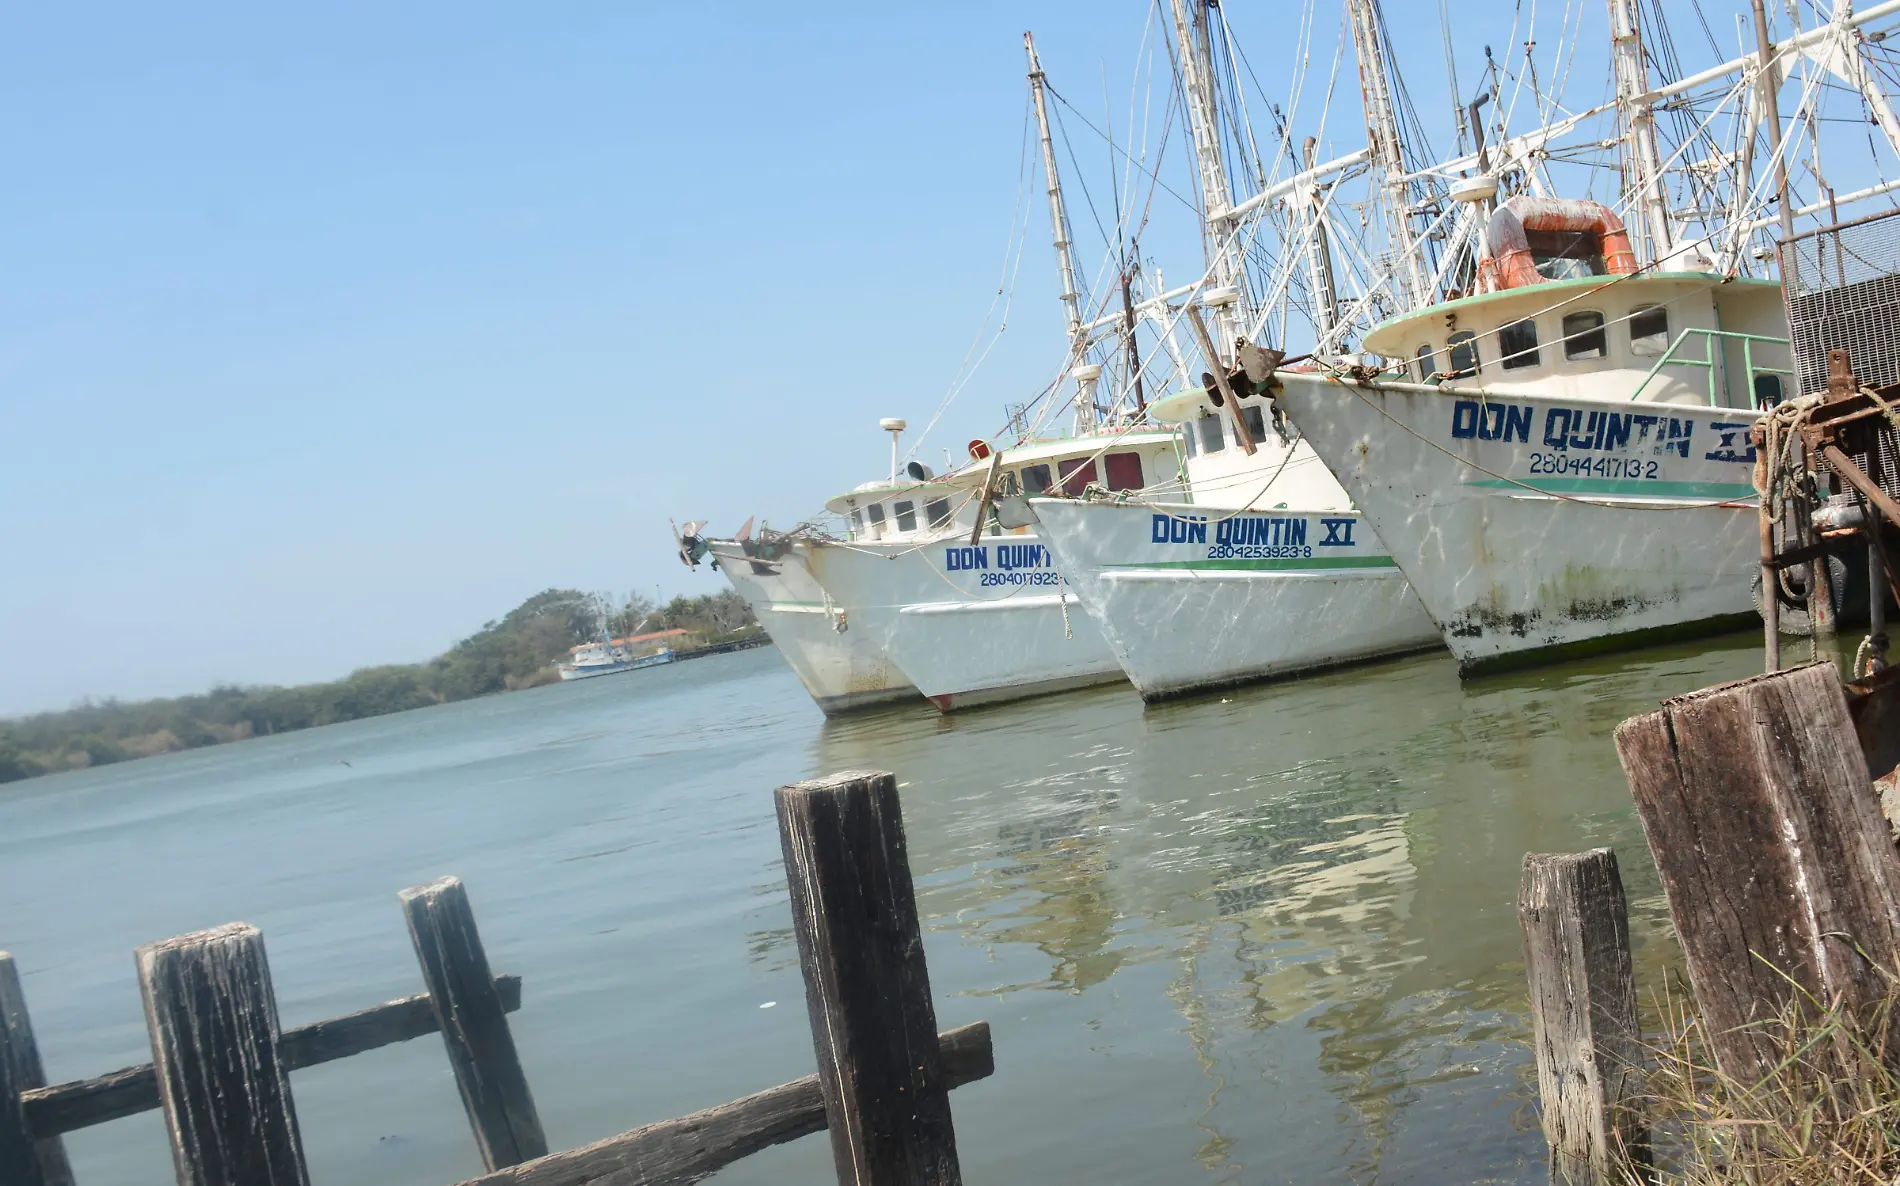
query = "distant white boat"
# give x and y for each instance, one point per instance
(611, 656)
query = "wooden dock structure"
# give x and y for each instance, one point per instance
(221, 1064)
(1783, 879)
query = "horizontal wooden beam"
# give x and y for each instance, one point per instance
(65, 1107)
(677, 1152)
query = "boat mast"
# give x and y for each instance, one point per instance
(1769, 81)
(1226, 288)
(1319, 252)
(1086, 374)
(1388, 150)
(1642, 160)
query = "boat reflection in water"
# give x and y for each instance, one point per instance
(1296, 901)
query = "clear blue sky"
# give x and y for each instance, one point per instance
(327, 334)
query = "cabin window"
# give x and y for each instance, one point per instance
(1006, 485)
(1584, 337)
(876, 514)
(1649, 330)
(906, 515)
(1256, 423)
(1427, 363)
(1464, 354)
(1566, 255)
(1211, 439)
(1076, 473)
(1518, 343)
(1035, 479)
(937, 512)
(1123, 471)
(857, 525)
(1768, 391)
(1187, 438)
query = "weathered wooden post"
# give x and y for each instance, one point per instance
(867, 989)
(212, 1019)
(1781, 875)
(23, 1159)
(1583, 1013)
(474, 1024)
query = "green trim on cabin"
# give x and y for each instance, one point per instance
(1628, 487)
(1582, 282)
(1285, 565)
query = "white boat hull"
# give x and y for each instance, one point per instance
(589, 671)
(1536, 528)
(969, 625)
(1193, 598)
(844, 670)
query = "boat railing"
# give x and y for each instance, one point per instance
(1713, 340)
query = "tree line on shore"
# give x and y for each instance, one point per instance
(517, 651)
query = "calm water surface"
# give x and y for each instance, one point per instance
(1266, 937)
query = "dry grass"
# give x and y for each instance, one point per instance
(1827, 1112)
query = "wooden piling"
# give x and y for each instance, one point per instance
(1781, 875)
(23, 1159)
(1583, 1012)
(212, 1019)
(867, 990)
(474, 1024)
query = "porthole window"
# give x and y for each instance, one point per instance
(1649, 330)
(875, 513)
(937, 512)
(906, 515)
(1584, 337)
(1211, 439)
(1517, 342)
(1464, 354)
(1427, 363)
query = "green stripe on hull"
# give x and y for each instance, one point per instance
(1288, 565)
(1627, 487)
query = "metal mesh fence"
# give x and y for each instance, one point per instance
(1842, 286)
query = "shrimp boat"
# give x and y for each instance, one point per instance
(1264, 569)
(1258, 566)
(1551, 472)
(1539, 395)
(608, 658)
(1552, 432)
(978, 616)
(842, 670)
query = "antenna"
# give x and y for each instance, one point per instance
(895, 425)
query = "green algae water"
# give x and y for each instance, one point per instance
(1266, 936)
